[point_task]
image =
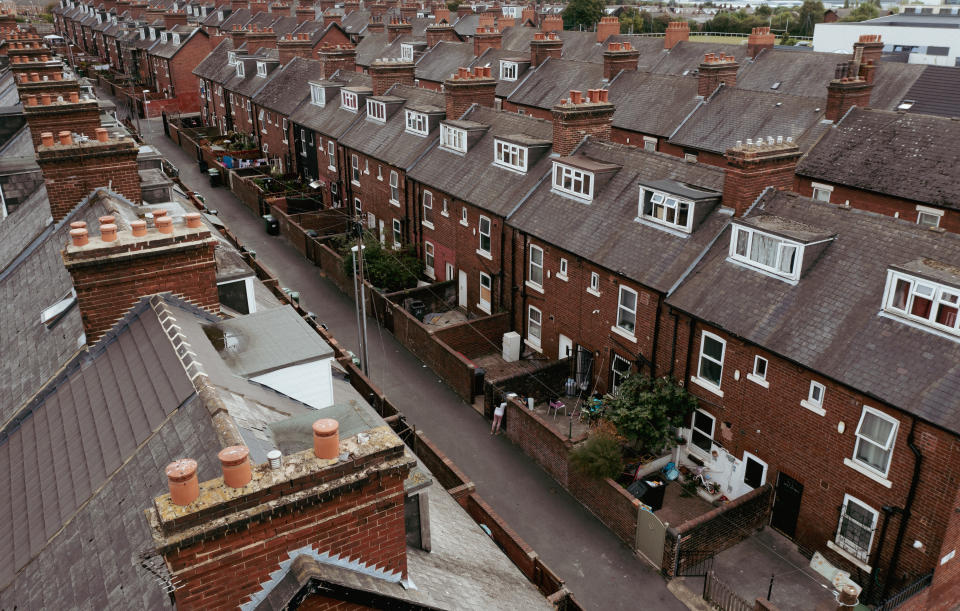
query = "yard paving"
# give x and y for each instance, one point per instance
(601, 571)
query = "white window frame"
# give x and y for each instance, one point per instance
(358, 209)
(508, 70)
(821, 192)
(940, 296)
(572, 181)
(815, 397)
(426, 201)
(534, 339)
(429, 260)
(616, 376)
(453, 138)
(535, 268)
(693, 429)
(349, 101)
(932, 214)
(699, 380)
(285, 126)
(666, 205)
(463, 217)
(397, 232)
(625, 311)
(757, 376)
(783, 246)
(262, 69)
(240, 70)
(510, 156)
(417, 123)
(649, 144)
(376, 111)
(355, 170)
(176, 38)
(445, 210)
(484, 304)
(852, 550)
(331, 155)
(887, 446)
(486, 252)
(406, 52)
(562, 273)
(231, 58)
(303, 142)
(594, 287)
(316, 95)
(394, 188)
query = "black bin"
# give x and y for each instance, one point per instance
(418, 309)
(271, 224)
(214, 175)
(649, 491)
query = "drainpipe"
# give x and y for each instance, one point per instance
(523, 294)
(656, 335)
(917, 463)
(686, 367)
(875, 574)
(501, 287)
(673, 343)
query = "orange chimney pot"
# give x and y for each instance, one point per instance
(326, 438)
(235, 462)
(183, 482)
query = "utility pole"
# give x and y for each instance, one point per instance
(358, 290)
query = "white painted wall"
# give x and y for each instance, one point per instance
(310, 383)
(839, 37)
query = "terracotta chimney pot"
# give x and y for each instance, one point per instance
(46, 138)
(45, 99)
(102, 135)
(65, 138)
(182, 479)
(139, 228)
(35, 77)
(79, 237)
(193, 220)
(78, 225)
(326, 438)
(74, 96)
(30, 100)
(235, 461)
(164, 224)
(159, 213)
(108, 232)
(107, 219)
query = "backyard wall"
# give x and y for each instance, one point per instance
(476, 337)
(547, 382)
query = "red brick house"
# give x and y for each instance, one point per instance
(172, 62)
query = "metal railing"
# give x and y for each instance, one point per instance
(721, 596)
(901, 597)
(723, 34)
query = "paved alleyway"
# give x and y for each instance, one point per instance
(600, 571)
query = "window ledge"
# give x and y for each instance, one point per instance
(446, 214)
(355, 182)
(533, 346)
(814, 408)
(483, 308)
(868, 472)
(465, 223)
(707, 385)
(394, 202)
(485, 254)
(532, 285)
(593, 292)
(332, 168)
(429, 273)
(856, 561)
(624, 333)
(561, 277)
(758, 380)
(427, 224)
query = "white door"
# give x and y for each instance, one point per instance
(754, 473)
(566, 347)
(448, 275)
(383, 236)
(462, 292)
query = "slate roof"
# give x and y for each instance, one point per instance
(936, 91)
(169, 49)
(290, 86)
(443, 60)
(651, 49)
(492, 57)
(892, 82)
(733, 114)
(904, 155)
(686, 55)
(356, 21)
(605, 231)
(87, 456)
(652, 103)
(581, 46)
(370, 48)
(214, 65)
(331, 120)
(473, 177)
(240, 16)
(828, 322)
(803, 74)
(389, 141)
(517, 38)
(249, 84)
(553, 80)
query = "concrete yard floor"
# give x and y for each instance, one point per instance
(601, 572)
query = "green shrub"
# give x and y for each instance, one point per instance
(598, 457)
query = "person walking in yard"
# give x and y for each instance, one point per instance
(498, 418)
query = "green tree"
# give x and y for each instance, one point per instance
(810, 14)
(864, 11)
(646, 411)
(630, 21)
(763, 10)
(599, 456)
(452, 6)
(584, 13)
(385, 268)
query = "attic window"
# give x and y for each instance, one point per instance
(51, 315)
(508, 70)
(453, 138)
(766, 252)
(406, 52)
(510, 156)
(775, 85)
(316, 95)
(219, 15)
(573, 181)
(231, 58)
(153, 33)
(163, 38)
(376, 111)
(240, 72)
(417, 123)
(666, 209)
(906, 105)
(176, 39)
(348, 101)
(261, 69)
(930, 303)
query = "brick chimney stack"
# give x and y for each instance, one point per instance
(294, 45)
(222, 547)
(543, 46)
(172, 19)
(852, 86)
(72, 170)
(409, 11)
(716, 68)
(260, 38)
(759, 39)
(236, 5)
(377, 9)
(112, 271)
(376, 25)
(337, 57)
(46, 112)
(397, 28)
(384, 74)
(486, 37)
(754, 166)
(437, 32)
(304, 13)
(238, 35)
(465, 88)
(677, 31)
(552, 23)
(619, 56)
(608, 26)
(528, 14)
(577, 117)
(871, 48)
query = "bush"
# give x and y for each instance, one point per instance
(647, 411)
(598, 457)
(385, 268)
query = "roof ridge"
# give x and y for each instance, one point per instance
(168, 322)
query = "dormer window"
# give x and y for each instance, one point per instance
(417, 123)
(508, 70)
(573, 181)
(666, 209)
(231, 58)
(767, 252)
(163, 37)
(930, 303)
(453, 138)
(376, 111)
(240, 72)
(348, 100)
(153, 33)
(406, 52)
(219, 15)
(176, 39)
(316, 95)
(508, 155)
(261, 69)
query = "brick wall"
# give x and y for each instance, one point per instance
(944, 591)
(476, 337)
(373, 191)
(243, 186)
(543, 384)
(78, 117)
